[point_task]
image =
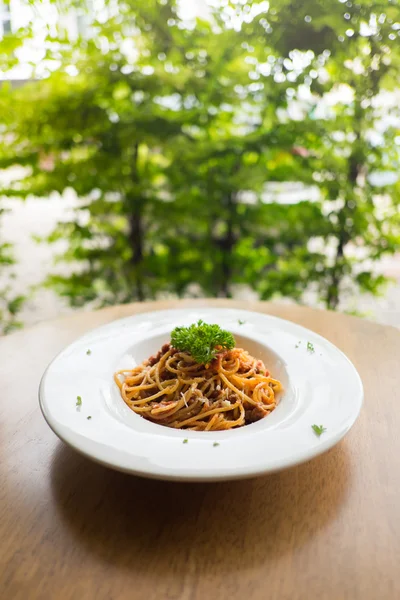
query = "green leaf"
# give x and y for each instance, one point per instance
(318, 429)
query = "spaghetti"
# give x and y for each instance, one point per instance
(172, 389)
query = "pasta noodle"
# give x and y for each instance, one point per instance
(172, 389)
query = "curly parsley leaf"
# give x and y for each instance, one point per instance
(202, 341)
(318, 429)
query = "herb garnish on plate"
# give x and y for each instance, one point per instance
(318, 429)
(202, 341)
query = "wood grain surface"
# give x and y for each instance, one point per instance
(328, 529)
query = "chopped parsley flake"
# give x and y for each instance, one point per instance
(185, 441)
(215, 444)
(241, 322)
(78, 401)
(318, 429)
(310, 347)
(89, 417)
(88, 351)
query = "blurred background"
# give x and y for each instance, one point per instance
(152, 149)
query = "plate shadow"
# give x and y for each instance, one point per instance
(235, 525)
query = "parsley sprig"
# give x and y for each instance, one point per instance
(318, 429)
(202, 341)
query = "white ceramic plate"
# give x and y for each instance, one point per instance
(321, 387)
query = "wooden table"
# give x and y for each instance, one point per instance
(328, 529)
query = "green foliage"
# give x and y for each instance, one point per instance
(169, 132)
(10, 304)
(365, 218)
